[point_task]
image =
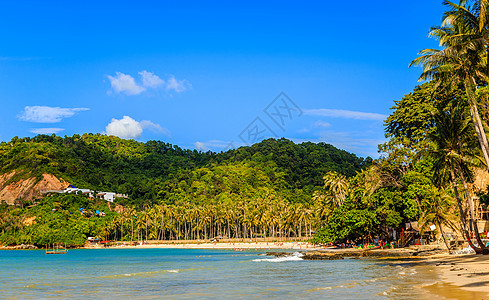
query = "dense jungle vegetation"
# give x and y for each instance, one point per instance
(437, 140)
(265, 189)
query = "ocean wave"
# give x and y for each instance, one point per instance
(296, 256)
(327, 288)
(388, 292)
(411, 272)
(143, 274)
(406, 271)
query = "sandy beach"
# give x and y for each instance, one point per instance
(471, 272)
(227, 245)
(455, 276)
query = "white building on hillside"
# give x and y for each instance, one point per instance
(107, 196)
(74, 190)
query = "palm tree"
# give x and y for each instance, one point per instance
(453, 142)
(115, 224)
(161, 210)
(337, 184)
(463, 37)
(153, 215)
(437, 210)
(323, 204)
(140, 225)
(131, 213)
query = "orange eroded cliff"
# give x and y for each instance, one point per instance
(27, 189)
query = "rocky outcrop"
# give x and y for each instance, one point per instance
(25, 247)
(19, 247)
(278, 254)
(361, 253)
(27, 189)
(378, 253)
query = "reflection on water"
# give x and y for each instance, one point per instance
(194, 273)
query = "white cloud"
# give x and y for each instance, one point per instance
(47, 114)
(348, 114)
(177, 85)
(128, 128)
(154, 127)
(46, 130)
(363, 143)
(216, 145)
(123, 83)
(149, 79)
(321, 124)
(317, 124)
(201, 146)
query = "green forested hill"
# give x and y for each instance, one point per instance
(304, 164)
(144, 171)
(266, 189)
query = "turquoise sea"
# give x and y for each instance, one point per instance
(194, 273)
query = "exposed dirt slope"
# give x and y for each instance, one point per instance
(27, 189)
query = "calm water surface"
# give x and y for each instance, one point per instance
(194, 273)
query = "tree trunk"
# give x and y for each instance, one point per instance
(191, 229)
(229, 230)
(479, 128)
(443, 237)
(461, 210)
(162, 228)
(122, 228)
(473, 220)
(198, 230)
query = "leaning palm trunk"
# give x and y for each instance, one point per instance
(473, 220)
(443, 237)
(461, 211)
(476, 120)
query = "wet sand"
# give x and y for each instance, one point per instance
(454, 276)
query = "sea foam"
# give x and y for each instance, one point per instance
(293, 257)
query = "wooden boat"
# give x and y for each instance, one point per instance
(57, 250)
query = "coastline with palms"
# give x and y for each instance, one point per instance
(418, 211)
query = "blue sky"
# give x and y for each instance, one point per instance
(209, 75)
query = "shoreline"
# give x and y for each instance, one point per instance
(285, 245)
(219, 245)
(462, 276)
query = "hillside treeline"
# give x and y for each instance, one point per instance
(258, 191)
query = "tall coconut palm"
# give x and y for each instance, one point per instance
(131, 213)
(453, 142)
(437, 210)
(162, 210)
(463, 37)
(323, 203)
(338, 185)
